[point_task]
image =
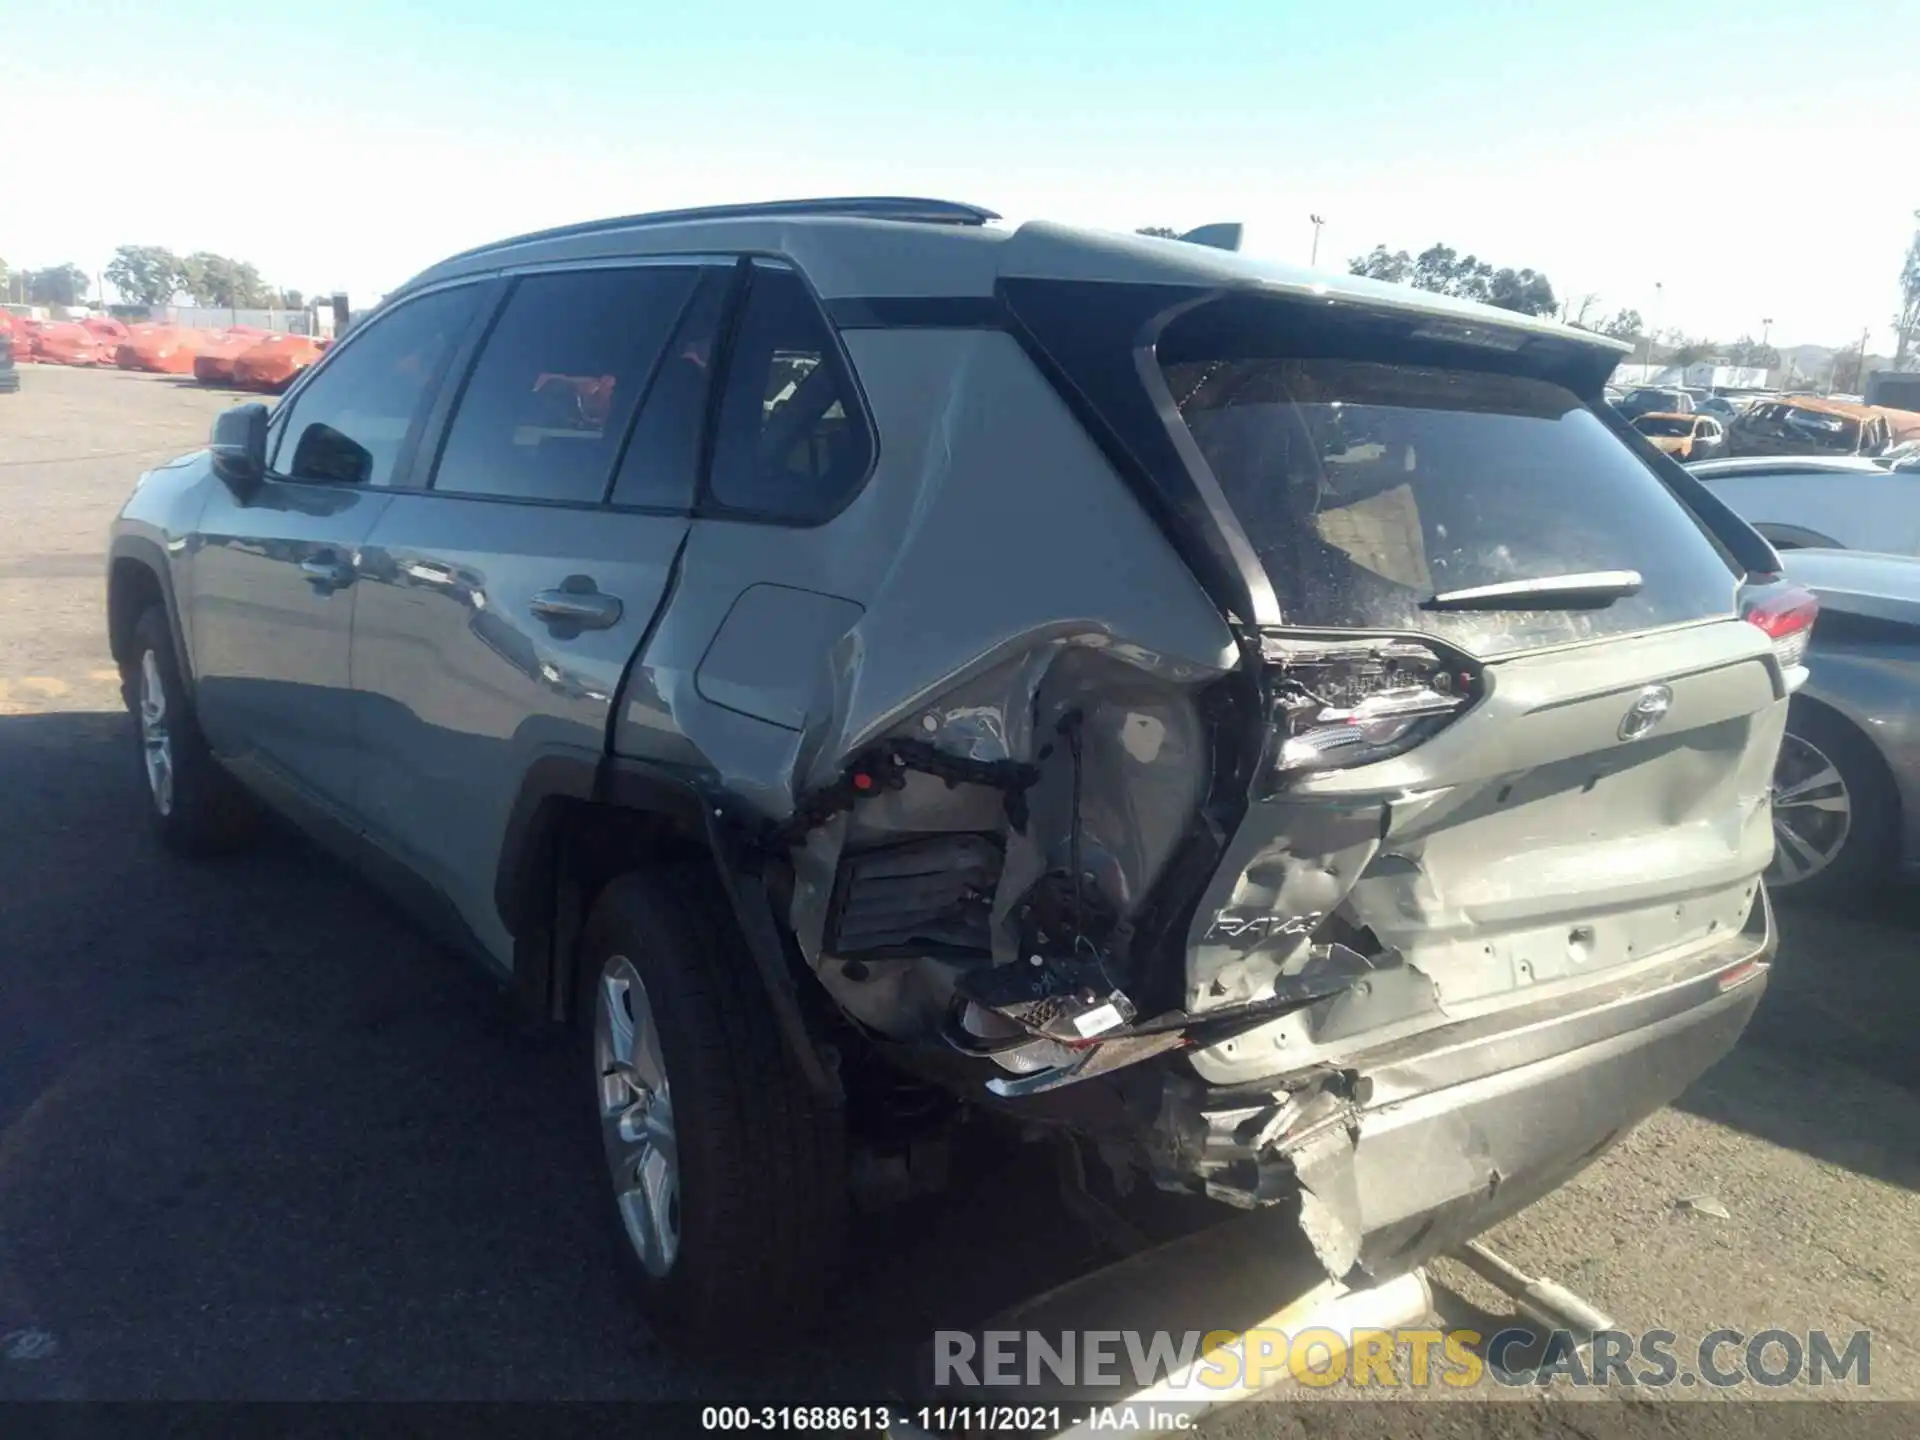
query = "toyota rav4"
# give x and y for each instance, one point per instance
(1283, 734)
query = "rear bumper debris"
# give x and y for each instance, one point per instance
(1413, 1149)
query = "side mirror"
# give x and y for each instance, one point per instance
(240, 448)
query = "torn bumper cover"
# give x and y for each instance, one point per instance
(1409, 1149)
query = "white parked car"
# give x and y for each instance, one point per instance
(1838, 502)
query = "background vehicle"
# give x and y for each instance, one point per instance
(163, 349)
(1846, 800)
(1685, 437)
(9, 375)
(215, 354)
(1898, 389)
(272, 362)
(1903, 457)
(1646, 400)
(110, 334)
(1843, 502)
(1809, 425)
(1719, 407)
(61, 342)
(752, 643)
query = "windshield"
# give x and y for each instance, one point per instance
(1368, 487)
(1662, 425)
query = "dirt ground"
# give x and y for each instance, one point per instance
(258, 1139)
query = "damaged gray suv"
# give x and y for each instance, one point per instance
(1283, 734)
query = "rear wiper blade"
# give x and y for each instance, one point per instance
(1591, 590)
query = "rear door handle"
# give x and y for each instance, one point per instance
(587, 609)
(333, 573)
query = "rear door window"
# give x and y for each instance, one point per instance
(546, 409)
(1366, 487)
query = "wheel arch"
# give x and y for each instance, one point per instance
(1888, 787)
(1857, 727)
(581, 821)
(138, 576)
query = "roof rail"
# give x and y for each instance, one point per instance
(863, 207)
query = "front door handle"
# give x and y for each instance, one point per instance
(331, 573)
(583, 609)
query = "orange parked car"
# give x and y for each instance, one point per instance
(108, 333)
(62, 343)
(127, 354)
(272, 363)
(164, 349)
(214, 359)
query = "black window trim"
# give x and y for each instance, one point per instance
(432, 392)
(418, 466)
(708, 508)
(441, 421)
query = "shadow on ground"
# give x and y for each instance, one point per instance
(1845, 992)
(260, 1139)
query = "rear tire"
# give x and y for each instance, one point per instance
(195, 807)
(1834, 812)
(746, 1231)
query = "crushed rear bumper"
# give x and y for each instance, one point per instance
(1407, 1151)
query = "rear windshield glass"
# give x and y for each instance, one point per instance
(1366, 488)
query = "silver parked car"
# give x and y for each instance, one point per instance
(1838, 502)
(1846, 803)
(1282, 733)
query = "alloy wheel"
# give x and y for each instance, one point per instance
(636, 1115)
(156, 741)
(1812, 813)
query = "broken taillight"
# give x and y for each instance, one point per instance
(1786, 613)
(1351, 702)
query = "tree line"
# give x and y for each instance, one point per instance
(154, 275)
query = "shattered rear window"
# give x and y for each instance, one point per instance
(1367, 487)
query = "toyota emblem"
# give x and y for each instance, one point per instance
(1648, 710)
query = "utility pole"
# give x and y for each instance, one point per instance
(1313, 257)
(1653, 322)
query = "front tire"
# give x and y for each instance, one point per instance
(196, 808)
(1834, 815)
(725, 1172)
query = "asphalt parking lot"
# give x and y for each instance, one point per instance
(259, 1139)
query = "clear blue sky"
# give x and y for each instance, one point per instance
(1757, 160)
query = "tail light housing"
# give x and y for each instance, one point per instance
(1343, 702)
(1786, 613)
